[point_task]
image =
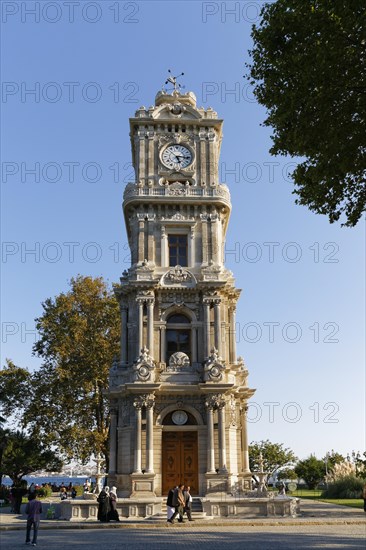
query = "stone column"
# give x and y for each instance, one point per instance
(149, 436)
(162, 343)
(210, 439)
(207, 326)
(214, 238)
(218, 325)
(245, 452)
(204, 239)
(113, 442)
(150, 327)
(222, 439)
(124, 351)
(141, 326)
(232, 335)
(151, 238)
(137, 456)
(203, 157)
(164, 247)
(151, 155)
(192, 254)
(141, 241)
(142, 156)
(194, 345)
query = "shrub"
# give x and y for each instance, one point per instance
(345, 487)
(44, 491)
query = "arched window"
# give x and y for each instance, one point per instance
(178, 335)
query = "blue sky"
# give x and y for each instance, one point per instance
(92, 64)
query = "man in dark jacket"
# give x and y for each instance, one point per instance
(169, 504)
(33, 511)
(178, 503)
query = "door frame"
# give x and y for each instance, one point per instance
(188, 428)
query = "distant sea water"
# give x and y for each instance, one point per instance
(38, 480)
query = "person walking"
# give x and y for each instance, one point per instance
(188, 502)
(178, 503)
(33, 511)
(364, 497)
(113, 512)
(169, 504)
(103, 505)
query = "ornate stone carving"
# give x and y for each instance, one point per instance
(215, 401)
(144, 366)
(178, 275)
(177, 189)
(144, 400)
(214, 367)
(178, 361)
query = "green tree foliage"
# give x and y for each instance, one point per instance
(309, 71)
(311, 470)
(287, 473)
(24, 455)
(275, 456)
(361, 465)
(79, 337)
(64, 403)
(332, 458)
(15, 390)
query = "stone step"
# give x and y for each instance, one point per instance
(196, 505)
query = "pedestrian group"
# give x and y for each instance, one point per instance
(179, 501)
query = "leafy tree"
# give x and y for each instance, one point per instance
(287, 473)
(64, 402)
(275, 456)
(332, 459)
(23, 455)
(309, 71)
(312, 470)
(361, 465)
(4, 440)
(15, 390)
(79, 333)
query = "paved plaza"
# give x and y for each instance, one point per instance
(243, 537)
(320, 525)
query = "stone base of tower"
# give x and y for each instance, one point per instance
(142, 485)
(245, 481)
(217, 483)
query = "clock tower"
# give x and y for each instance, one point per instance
(178, 391)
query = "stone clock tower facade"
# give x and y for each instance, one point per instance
(178, 392)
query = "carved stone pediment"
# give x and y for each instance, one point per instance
(214, 367)
(178, 276)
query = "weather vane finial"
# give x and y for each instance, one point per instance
(173, 81)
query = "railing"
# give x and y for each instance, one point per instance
(220, 191)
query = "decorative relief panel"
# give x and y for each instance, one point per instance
(143, 368)
(214, 367)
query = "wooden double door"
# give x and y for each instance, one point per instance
(180, 460)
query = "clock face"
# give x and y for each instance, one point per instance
(176, 157)
(179, 417)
